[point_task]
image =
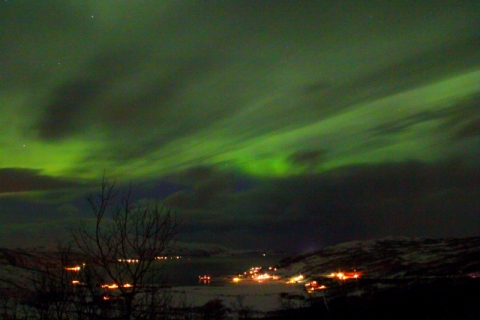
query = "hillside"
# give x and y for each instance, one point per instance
(392, 258)
(390, 278)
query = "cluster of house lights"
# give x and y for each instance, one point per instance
(344, 275)
(296, 279)
(314, 286)
(128, 260)
(257, 274)
(114, 286)
(204, 279)
(156, 258)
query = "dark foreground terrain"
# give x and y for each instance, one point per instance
(423, 299)
(391, 278)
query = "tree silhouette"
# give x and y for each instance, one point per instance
(124, 243)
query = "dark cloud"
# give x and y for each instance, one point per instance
(68, 109)
(469, 129)
(73, 106)
(308, 159)
(157, 105)
(460, 120)
(205, 189)
(104, 95)
(464, 118)
(15, 180)
(402, 124)
(309, 211)
(322, 99)
(115, 63)
(418, 68)
(407, 179)
(406, 198)
(66, 113)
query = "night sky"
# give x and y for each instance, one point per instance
(265, 124)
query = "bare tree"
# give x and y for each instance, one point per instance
(124, 242)
(42, 287)
(243, 311)
(10, 306)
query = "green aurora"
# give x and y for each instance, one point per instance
(265, 92)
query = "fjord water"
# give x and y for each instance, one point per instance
(185, 271)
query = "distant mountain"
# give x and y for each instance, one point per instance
(394, 257)
(209, 249)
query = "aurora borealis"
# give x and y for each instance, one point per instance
(270, 124)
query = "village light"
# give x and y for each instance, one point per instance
(295, 279)
(128, 260)
(204, 279)
(75, 269)
(345, 275)
(313, 286)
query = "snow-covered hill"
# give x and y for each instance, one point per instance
(392, 258)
